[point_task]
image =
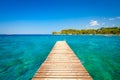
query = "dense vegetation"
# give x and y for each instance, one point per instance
(103, 30)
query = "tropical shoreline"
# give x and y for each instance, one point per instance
(99, 31)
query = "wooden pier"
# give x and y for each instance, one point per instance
(62, 64)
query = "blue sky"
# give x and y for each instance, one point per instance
(45, 16)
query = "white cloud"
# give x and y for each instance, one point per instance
(118, 17)
(115, 18)
(111, 18)
(93, 23)
(104, 18)
(103, 23)
(113, 25)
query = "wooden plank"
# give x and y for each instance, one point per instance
(62, 64)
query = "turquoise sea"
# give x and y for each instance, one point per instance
(22, 55)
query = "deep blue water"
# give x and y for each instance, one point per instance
(22, 55)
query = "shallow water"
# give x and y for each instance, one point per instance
(21, 55)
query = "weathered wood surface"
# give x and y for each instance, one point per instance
(62, 64)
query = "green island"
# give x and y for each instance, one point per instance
(102, 30)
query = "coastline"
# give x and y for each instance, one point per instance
(90, 34)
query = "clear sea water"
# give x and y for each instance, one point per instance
(22, 55)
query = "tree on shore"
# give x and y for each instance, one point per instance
(103, 30)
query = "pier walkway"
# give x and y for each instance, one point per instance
(62, 64)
